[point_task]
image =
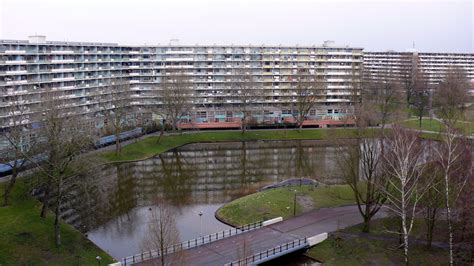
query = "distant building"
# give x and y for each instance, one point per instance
(401, 66)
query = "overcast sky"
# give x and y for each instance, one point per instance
(374, 25)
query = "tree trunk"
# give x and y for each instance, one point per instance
(243, 125)
(117, 144)
(57, 229)
(405, 238)
(400, 235)
(448, 216)
(430, 224)
(162, 131)
(45, 201)
(175, 126)
(366, 227)
(9, 188)
(300, 123)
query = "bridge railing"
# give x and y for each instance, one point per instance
(297, 243)
(147, 255)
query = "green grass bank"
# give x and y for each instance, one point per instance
(280, 202)
(149, 147)
(366, 251)
(27, 239)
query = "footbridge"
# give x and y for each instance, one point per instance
(254, 243)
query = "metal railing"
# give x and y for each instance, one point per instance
(295, 244)
(152, 254)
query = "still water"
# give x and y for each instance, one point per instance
(112, 206)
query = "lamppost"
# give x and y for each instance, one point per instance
(98, 258)
(294, 205)
(200, 221)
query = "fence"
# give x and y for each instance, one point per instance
(258, 257)
(147, 255)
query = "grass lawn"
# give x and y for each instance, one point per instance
(26, 239)
(436, 126)
(364, 251)
(148, 147)
(279, 202)
(426, 124)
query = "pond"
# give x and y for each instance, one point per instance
(113, 205)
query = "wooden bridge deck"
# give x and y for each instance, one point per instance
(243, 245)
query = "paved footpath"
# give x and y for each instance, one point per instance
(230, 249)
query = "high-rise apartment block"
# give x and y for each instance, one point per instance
(402, 66)
(80, 71)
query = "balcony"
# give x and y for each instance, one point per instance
(63, 79)
(181, 52)
(15, 82)
(15, 52)
(15, 62)
(62, 70)
(62, 52)
(63, 61)
(16, 72)
(180, 59)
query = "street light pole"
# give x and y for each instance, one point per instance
(200, 221)
(294, 205)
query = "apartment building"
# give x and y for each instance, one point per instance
(80, 72)
(401, 66)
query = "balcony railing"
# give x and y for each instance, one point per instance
(191, 243)
(273, 252)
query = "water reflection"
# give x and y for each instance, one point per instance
(112, 204)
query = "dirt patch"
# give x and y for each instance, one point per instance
(306, 203)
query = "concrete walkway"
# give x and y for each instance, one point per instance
(239, 246)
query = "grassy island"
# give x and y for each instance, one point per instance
(280, 202)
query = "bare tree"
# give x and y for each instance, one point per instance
(420, 95)
(19, 145)
(362, 165)
(408, 76)
(245, 89)
(404, 164)
(158, 109)
(464, 252)
(451, 96)
(162, 230)
(308, 90)
(62, 139)
(115, 104)
(433, 199)
(176, 96)
(384, 98)
(454, 157)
